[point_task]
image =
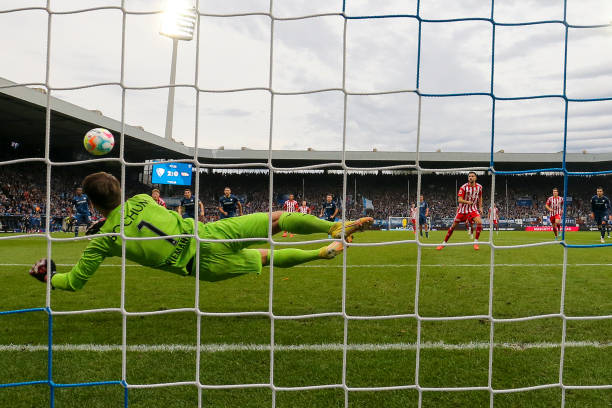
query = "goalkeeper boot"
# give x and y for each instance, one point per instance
(284, 234)
(350, 227)
(330, 251)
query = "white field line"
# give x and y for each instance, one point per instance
(216, 348)
(514, 265)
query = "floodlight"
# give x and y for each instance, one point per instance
(179, 19)
(178, 22)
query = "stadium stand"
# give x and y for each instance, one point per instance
(22, 194)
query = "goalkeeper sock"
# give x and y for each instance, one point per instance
(303, 223)
(286, 258)
(478, 229)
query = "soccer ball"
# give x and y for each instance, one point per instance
(99, 141)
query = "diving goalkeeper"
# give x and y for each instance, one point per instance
(143, 217)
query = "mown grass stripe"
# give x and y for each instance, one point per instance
(215, 348)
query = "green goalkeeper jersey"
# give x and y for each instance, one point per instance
(143, 218)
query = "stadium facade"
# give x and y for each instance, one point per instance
(23, 119)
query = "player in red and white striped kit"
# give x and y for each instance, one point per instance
(414, 214)
(470, 208)
(304, 209)
(157, 198)
(494, 217)
(290, 206)
(554, 205)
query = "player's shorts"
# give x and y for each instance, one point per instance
(82, 218)
(601, 218)
(230, 214)
(495, 222)
(468, 217)
(185, 215)
(554, 218)
(223, 260)
(422, 220)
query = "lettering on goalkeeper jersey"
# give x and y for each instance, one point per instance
(129, 217)
(182, 244)
(137, 209)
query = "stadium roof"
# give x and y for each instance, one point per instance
(22, 119)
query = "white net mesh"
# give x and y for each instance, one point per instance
(489, 317)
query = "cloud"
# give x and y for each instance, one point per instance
(381, 55)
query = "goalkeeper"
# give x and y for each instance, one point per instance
(143, 217)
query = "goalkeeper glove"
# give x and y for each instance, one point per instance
(39, 270)
(95, 227)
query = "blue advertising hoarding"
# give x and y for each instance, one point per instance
(172, 173)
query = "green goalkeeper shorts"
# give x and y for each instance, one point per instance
(224, 260)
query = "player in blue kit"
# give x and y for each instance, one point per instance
(329, 210)
(600, 212)
(83, 209)
(423, 214)
(187, 207)
(228, 203)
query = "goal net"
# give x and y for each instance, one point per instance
(418, 390)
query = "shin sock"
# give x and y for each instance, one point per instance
(478, 229)
(286, 258)
(449, 233)
(299, 223)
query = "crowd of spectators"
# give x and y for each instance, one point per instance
(23, 197)
(23, 194)
(23, 202)
(390, 194)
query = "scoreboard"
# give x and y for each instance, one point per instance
(172, 173)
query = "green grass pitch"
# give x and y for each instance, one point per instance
(379, 281)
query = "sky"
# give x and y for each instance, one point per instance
(307, 56)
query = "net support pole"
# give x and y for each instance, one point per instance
(564, 327)
(198, 312)
(344, 214)
(491, 289)
(270, 206)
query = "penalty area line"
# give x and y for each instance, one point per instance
(217, 348)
